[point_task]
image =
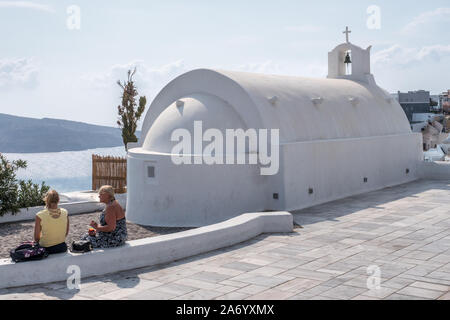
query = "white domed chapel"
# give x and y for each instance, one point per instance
(337, 137)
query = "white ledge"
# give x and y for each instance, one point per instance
(437, 170)
(145, 252)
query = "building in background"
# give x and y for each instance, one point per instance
(444, 101)
(414, 102)
(435, 104)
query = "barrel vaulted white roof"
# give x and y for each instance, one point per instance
(304, 109)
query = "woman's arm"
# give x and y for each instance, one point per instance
(37, 229)
(67, 230)
(110, 218)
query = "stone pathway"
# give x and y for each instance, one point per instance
(401, 232)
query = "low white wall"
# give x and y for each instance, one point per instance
(72, 208)
(438, 170)
(145, 252)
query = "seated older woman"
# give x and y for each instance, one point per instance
(112, 231)
(52, 225)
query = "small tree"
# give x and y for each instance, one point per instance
(128, 114)
(16, 194)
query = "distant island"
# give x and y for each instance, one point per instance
(29, 135)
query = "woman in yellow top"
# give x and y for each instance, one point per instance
(52, 225)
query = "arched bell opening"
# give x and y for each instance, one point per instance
(348, 63)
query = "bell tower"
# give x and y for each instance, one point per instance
(348, 61)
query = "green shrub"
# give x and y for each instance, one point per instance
(31, 194)
(16, 194)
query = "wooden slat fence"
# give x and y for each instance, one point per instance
(109, 171)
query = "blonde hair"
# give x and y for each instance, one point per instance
(51, 197)
(109, 190)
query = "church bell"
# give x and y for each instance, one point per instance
(348, 60)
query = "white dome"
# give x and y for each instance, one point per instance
(212, 111)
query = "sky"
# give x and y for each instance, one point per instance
(61, 59)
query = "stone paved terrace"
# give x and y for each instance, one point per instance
(404, 230)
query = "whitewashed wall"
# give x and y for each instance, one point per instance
(190, 195)
(336, 169)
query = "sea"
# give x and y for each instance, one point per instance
(63, 171)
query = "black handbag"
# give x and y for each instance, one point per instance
(81, 246)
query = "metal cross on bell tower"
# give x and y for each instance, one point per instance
(347, 31)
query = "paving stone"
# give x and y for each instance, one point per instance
(98, 290)
(366, 226)
(150, 294)
(237, 284)
(226, 289)
(272, 294)
(360, 282)
(397, 296)
(199, 284)
(267, 271)
(343, 292)
(119, 294)
(252, 289)
(298, 285)
(290, 263)
(201, 294)
(175, 289)
(323, 298)
(439, 275)
(332, 272)
(46, 296)
(259, 261)
(441, 258)
(419, 292)
(425, 279)
(419, 271)
(220, 270)
(445, 296)
(381, 293)
(263, 280)
(308, 274)
(233, 296)
(17, 296)
(210, 277)
(365, 298)
(430, 286)
(397, 283)
(420, 255)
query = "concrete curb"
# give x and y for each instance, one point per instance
(145, 252)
